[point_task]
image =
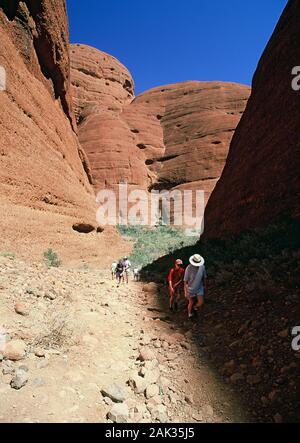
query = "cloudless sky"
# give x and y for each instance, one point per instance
(167, 41)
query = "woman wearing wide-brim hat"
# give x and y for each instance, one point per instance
(194, 282)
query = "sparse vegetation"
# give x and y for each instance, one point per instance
(56, 332)
(8, 255)
(51, 259)
(152, 243)
(262, 257)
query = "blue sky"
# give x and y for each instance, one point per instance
(167, 41)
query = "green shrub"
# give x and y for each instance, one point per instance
(151, 243)
(8, 255)
(51, 259)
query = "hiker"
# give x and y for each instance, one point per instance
(120, 272)
(194, 282)
(175, 283)
(127, 267)
(113, 270)
(136, 274)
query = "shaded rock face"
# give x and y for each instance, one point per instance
(42, 165)
(261, 177)
(171, 137)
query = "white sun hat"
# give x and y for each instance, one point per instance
(197, 260)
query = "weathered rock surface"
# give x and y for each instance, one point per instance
(261, 177)
(169, 137)
(43, 171)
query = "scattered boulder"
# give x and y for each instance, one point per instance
(115, 392)
(15, 350)
(119, 413)
(19, 380)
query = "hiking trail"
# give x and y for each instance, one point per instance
(88, 344)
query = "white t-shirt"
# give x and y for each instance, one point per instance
(127, 265)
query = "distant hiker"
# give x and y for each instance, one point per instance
(113, 270)
(120, 272)
(136, 274)
(194, 282)
(127, 267)
(175, 280)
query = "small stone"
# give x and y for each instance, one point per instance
(165, 382)
(21, 309)
(147, 354)
(15, 350)
(284, 333)
(119, 413)
(19, 380)
(152, 377)
(51, 295)
(189, 400)
(198, 417)
(8, 368)
(131, 403)
(115, 392)
(152, 364)
(152, 391)
(138, 384)
(40, 353)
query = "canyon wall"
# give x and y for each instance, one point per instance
(44, 173)
(261, 179)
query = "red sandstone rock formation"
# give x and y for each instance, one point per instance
(174, 136)
(44, 185)
(261, 177)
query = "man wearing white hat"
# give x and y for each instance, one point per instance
(194, 280)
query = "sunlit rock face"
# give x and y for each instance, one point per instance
(171, 137)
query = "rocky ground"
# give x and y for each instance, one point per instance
(75, 348)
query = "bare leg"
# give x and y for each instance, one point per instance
(200, 302)
(191, 306)
(171, 295)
